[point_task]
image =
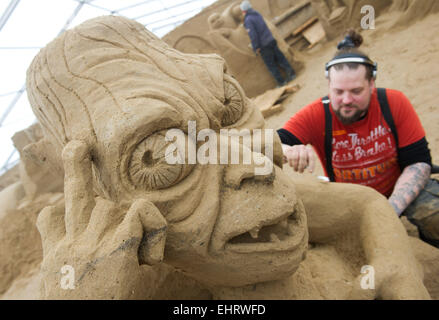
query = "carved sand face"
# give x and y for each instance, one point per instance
(215, 21)
(227, 226)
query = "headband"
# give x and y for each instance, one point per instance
(352, 58)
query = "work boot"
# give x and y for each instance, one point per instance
(290, 77)
(279, 85)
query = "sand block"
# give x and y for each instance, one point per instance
(271, 101)
(314, 34)
(337, 14)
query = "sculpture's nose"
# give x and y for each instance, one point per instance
(268, 140)
(251, 159)
(236, 174)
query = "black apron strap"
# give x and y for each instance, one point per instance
(385, 110)
(328, 139)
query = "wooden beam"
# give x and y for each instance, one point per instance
(290, 12)
(305, 25)
(314, 34)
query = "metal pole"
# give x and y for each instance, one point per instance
(162, 10)
(5, 166)
(12, 104)
(7, 13)
(20, 92)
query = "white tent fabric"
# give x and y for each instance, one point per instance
(28, 25)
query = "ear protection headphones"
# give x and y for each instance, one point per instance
(352, 58)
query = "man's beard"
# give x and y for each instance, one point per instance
(352, 118)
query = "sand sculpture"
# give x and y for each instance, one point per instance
(20, 203)
(228, 25)
(105, 93)
(228, 38)
(339, 15)
(412, 11)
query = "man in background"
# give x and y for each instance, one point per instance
(263, 43)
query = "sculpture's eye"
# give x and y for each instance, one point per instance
(149, 168)
(233, 102)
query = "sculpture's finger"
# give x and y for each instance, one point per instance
(144, 230)
(78, 186)
(103, 217)
(155, 226)
(50, 224)
(129, 233)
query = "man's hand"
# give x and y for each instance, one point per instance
(299, 157)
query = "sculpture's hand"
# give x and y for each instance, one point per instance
(225, 32)
(93, 247)
(387, 269)
(388, 281)
(397, 274)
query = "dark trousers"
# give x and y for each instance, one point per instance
(274, 58)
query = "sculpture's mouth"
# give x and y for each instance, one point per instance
(283, 234)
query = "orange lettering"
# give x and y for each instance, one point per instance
(365, 175)
(347, 175)
(372, 171)
(380, 168)
(357, 174)
(337, 173)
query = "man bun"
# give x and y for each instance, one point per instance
(348, 48)
(352, 40)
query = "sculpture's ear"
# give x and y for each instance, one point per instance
(152, 247)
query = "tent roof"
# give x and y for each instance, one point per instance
(28, 25)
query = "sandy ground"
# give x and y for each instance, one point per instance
(407, 61)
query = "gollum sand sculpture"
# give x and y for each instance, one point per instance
(106, 93)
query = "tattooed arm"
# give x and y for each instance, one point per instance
(408, 186)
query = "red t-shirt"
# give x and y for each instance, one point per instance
(363, 152)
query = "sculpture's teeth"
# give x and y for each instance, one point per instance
(274, 238)
(284, 224)
(254, 233)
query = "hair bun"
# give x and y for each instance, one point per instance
(351, 40)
